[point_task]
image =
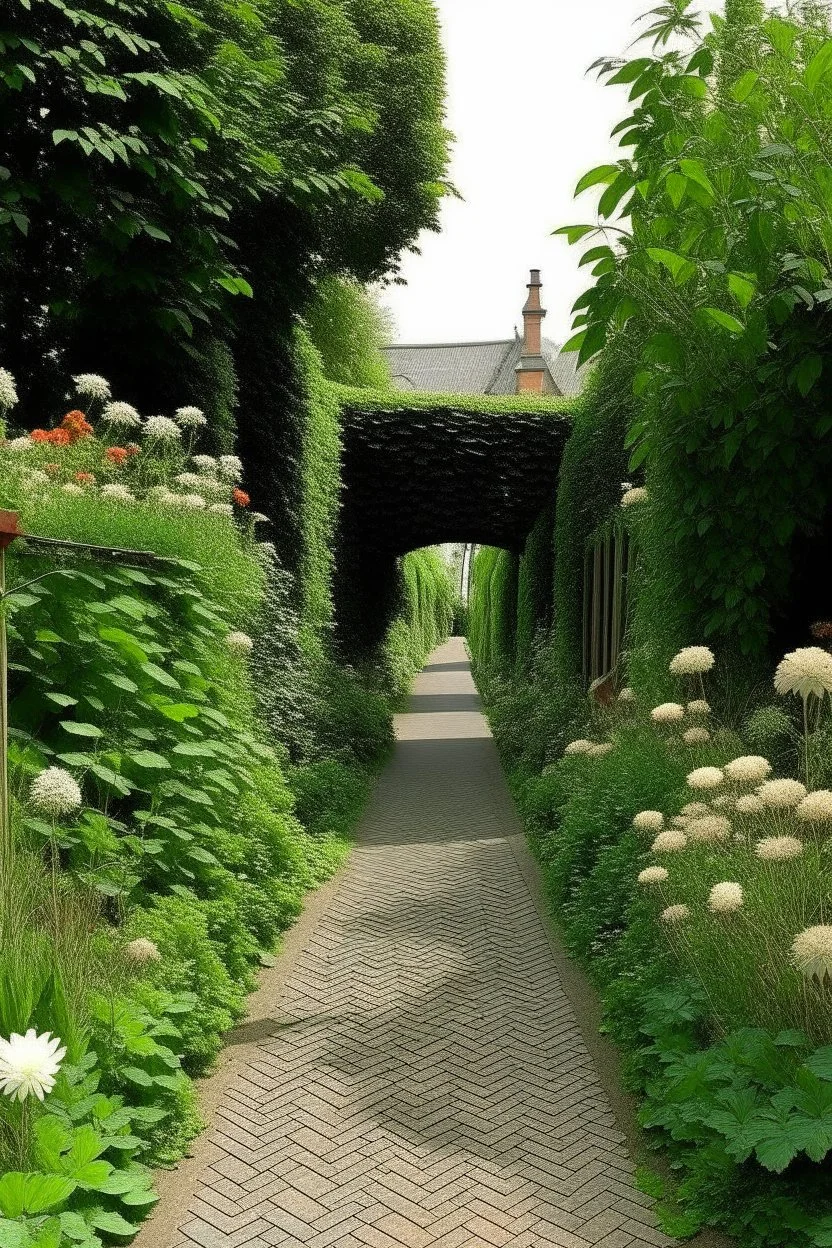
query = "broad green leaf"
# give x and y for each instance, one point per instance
(742, 288)
(150, 760)
(807, 372)
(743, 87)
(574, 233)
(575, 342)
(112, 1223)
(631, 70)
(601, 173)
(159, 674)
(62, 699)
(46, 634)
(820, 1062)
(694, 170)
(819, 66)
(80, 730)
(677, 185)
(179, 711)
(723, 319)
(121, 682)
(124, 642)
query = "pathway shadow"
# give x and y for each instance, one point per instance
(433, 703)
(446, 667)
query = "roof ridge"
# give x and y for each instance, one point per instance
(511, 346)
(411, 346)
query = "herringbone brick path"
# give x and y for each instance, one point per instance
(427, 1083)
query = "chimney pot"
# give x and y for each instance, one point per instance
(531, 371)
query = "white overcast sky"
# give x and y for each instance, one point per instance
(528, 122)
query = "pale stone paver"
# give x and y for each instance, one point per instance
(429, 1084)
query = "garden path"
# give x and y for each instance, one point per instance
(423, 1079)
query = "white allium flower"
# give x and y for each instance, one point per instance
(190, 417)
(698, 707)
(695, 808)
(602, 747)
(750, 804)
(192, 480)
(123, 415)
(55, 792)
(638, 494)
(29, 1064)
(723, 802)
(816, 807)
(627, 694)
(142, 950)
(675, 914)
(725, 898)
(812, 951)
(8, 390)
(19, 444)
(805, 671)
(194, 501)
(72, 487)
(162, 428)
(705, 778)
(749, 769)
(212, 487)
(649, 821)
(781, 794)
(240, 644)
(221, 509)
(680, 821)
(696, 736)
(691, 661)
(36, 479)
(205, 463)
(119, 492)
(652, 875)
(669, 842)
(581, 746)
(230, 467)
(778, 848)
(161, 494)
(91, 385)
(709, 828)
(667, 713)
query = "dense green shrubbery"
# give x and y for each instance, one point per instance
(220, 776)
(710, 311)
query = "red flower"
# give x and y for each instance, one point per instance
(85, 478)
(76, 425)
(241, 498)
(59, 437)
(41, 435)
(117, 454)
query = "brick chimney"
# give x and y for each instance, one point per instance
(531, 372)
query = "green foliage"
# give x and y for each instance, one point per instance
(349, 329)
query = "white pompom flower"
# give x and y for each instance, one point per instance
(709, 828)
(748, 769)
(667, 713)
(806, 671)
(696, 736)
(705, 778)
(698, 707)
(230, 467)
(725, 898)
(778, 848)
(812, 952)
(781, 794)
(141, 951)
(581, 746)
(669, 842)
(206, 464)
(193, 501)
(675, 914)
(240, 644)
(597, 749)
(816, 807)
(649, 821)
(92, 386)
(627, 694)
(750, 804)
(30, 1064)
(692, 661)
(222, 509)
(8, 390)
(695, 808)
(119, 493)
(162, 429)
(55, 792)
(653, 875)
(637, 494)
(121, 416)
(19, 444)
(190, 417)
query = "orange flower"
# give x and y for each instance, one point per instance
(85, 478)
(41, 435)
(117, 455)
(133, 448)
(241, 498)
(76, 425)
(59, 437)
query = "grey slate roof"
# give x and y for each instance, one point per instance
(474, 367)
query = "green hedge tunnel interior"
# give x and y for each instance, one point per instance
(416, 477)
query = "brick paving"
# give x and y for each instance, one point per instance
(427, 1082)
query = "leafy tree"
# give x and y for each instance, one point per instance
(349, 329)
